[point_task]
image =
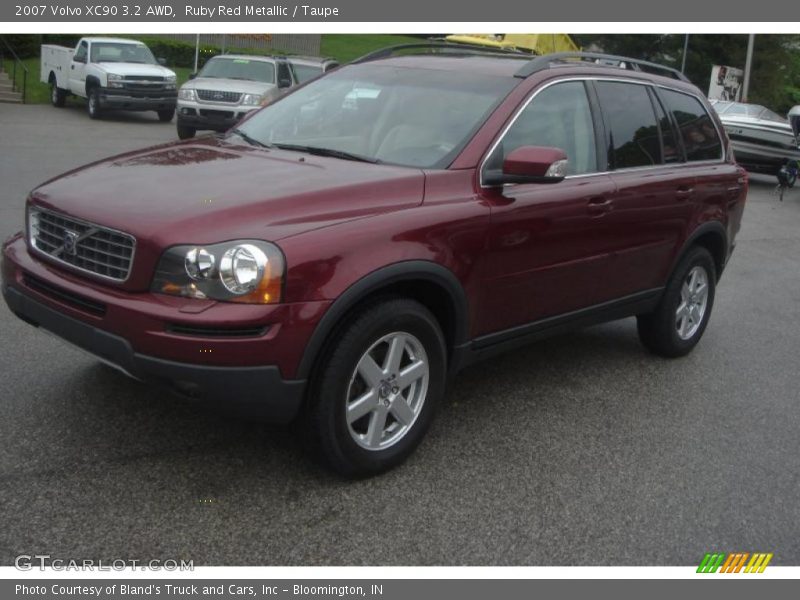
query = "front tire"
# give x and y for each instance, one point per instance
(676, 325)
(376, 392)
(93, 104)
(185, 132)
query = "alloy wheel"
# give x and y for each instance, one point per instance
(387, 391)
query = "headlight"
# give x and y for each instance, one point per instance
(248, 271)
(114, 80)
(170, 81)
(186, 94)
(252, 99)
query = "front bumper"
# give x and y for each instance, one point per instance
(213, 116)
(138, 100)
(135, 333)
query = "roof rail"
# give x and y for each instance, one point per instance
(541, 63)
(466, 49)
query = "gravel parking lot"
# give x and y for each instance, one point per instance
(581, 450)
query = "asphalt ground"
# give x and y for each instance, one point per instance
(580, 450)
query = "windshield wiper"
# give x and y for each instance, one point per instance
(327, 152)
(250, 140)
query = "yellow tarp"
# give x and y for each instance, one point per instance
(537, 43)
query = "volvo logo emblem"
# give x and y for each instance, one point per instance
(70, 242)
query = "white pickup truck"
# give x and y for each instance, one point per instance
(111, 73)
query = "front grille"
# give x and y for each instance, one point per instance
(85, 246)
(144, 87)
(75, 300)
(216, 332)
(218, 96)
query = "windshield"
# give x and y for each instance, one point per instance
(409, 117)
(239, 68)
(130, 53)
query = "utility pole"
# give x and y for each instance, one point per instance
(747, 66)
(685, 50)
(196, 51)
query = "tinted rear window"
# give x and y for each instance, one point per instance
(700, 137)
(633, 134)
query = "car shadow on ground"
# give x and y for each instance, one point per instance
(146, 117)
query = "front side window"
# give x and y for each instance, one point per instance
(633, 133)
(559, 117)
(700, 137)
(80, 55)
(305, 72)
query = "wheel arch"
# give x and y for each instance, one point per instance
(92, 81)
(434, 286)
(713, 237)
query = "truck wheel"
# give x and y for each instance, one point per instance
(680, 318)
(377, 390)
(185, 132)
(58, 96)
(93, 104)
(166, 115)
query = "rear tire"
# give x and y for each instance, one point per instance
(165, 116)
(186, 133)
(676, 325)
(376, 392)
(58, 96)
(93, 104)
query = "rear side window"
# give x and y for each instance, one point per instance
(633, 133)
(700, 137)
(559, 117)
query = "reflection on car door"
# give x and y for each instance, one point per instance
(543, 257)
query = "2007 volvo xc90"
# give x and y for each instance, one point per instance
(344, 250)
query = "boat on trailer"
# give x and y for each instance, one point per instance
(762, 140)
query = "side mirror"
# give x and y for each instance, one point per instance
(284, 83)
(530, 164)
(192, 75)
(162, 61)
(79, 59)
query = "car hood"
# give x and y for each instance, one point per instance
(125, 69)
(228, 85)
(208, 190)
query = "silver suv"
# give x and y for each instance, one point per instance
(227, 88)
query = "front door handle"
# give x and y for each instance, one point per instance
(599, 205)
(684, 192)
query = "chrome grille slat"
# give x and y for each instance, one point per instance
(218, 96)
(97, 250)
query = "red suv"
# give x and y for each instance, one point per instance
(343, 251)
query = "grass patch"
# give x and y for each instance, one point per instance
(342, 47)
(347, 47)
